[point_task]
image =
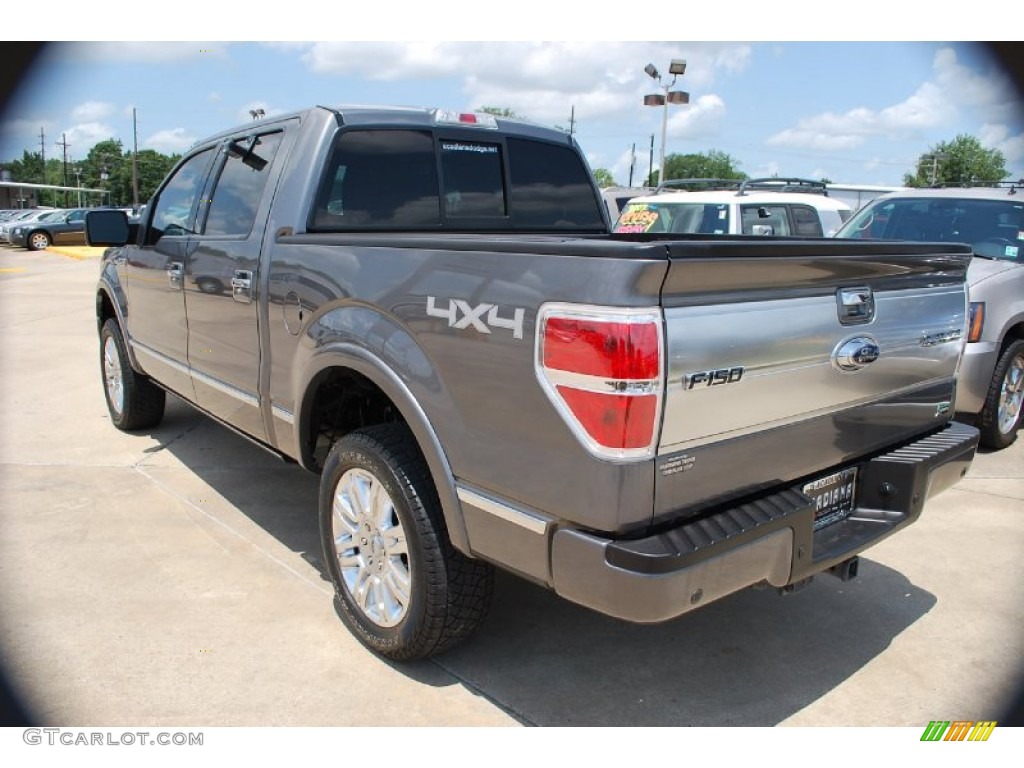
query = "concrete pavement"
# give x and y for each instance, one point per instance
(174, 578)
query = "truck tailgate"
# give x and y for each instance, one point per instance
(828, 351)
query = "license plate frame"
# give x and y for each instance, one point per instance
(834, 496)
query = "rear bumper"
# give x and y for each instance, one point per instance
(768, 540)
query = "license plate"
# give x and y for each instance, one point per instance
(832, 496)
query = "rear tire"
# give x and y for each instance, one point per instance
(401, 588)
(134, 402)
(1000, 418)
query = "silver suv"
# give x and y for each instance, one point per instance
(991, 219)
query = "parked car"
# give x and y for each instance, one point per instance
(991, 220)
(35, 214)
(60, 228)
(772, 206)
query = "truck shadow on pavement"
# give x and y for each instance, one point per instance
(751, 659)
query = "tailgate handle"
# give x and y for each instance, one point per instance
(855, 305)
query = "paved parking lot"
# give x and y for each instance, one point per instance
(175, 578)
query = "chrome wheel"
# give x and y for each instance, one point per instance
(38, 241)
(371, 548)
(112, 375)
(1011, 394)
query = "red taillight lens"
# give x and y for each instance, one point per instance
(602, 369)
(613, 421)
(600, 348)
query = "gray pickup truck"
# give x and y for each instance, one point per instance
(427, 309)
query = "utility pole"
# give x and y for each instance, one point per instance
(632, 163)
(135, 161)
(572, 119)
(64, 144)
(650, 162)
(42, 147)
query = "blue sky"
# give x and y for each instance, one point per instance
(856, 112)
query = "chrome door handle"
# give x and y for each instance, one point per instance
(241, 286)
(175, 274)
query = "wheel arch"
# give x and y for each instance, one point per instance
(343, 361)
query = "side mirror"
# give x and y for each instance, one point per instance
(106, 228)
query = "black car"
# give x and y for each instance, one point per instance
(65, 228)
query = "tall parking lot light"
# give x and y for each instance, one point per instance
(676, 68)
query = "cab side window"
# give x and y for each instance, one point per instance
(235, 199)
(174, 211)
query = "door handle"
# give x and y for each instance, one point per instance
(175, 274)
(241, 286)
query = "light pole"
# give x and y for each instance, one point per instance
(676, 68)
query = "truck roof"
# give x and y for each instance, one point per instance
(426, 117)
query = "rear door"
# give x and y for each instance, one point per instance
(222, 276)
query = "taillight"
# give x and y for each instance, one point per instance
(976, 324)
(602, 368)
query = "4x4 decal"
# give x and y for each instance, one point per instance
(460, 314)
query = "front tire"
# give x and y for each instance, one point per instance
(400, 586)
(1000, 418)
(38, 241)
(134, 402)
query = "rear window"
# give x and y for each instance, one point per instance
(391, 179)
(551, 188)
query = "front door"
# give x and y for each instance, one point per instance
(154, 272)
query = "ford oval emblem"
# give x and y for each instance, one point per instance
(854, 354)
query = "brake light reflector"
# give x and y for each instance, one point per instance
(602, 369)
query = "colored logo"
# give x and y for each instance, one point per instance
(958, 730)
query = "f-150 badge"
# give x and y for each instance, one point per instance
(482, 317)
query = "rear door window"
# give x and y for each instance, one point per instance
(232, 209)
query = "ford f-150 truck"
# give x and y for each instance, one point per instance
(428, 310)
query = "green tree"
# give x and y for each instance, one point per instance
(29, 169)
(107, 158)
(960, 161)
(603, 177)
(712, 164)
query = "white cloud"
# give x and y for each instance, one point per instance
(700, 119)
(998, 137)
(92, 111)
(170, 141)
(540, 80)
(83, 136)
(935, 103)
